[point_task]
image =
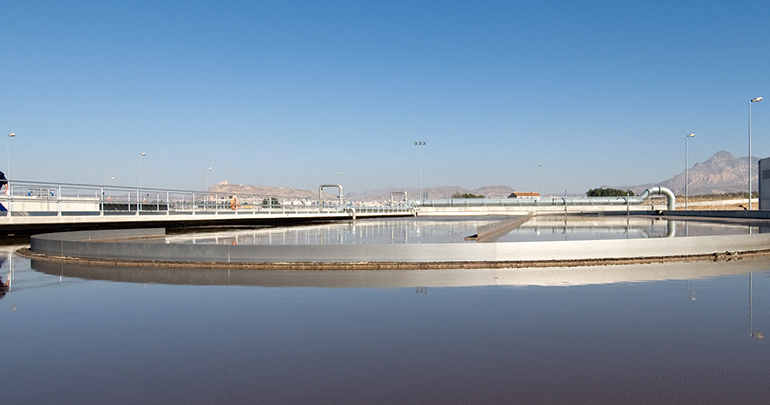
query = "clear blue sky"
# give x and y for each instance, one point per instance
(290, 93)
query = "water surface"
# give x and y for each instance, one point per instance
(455, 230)
(657, 333)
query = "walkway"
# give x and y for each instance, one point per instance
(34, 207)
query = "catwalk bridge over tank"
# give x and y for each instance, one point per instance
(32, 207)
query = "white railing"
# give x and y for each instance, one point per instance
(532, 202)
(30, 198)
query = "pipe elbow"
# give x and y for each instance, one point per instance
(661, 191)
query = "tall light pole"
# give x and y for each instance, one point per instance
(753, 100)
(541, 180)
(141, 155)
(420, 145)
(686, 171)
(8, 150)
(207, 178)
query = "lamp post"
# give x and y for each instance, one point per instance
(753, 100)
(206, 201)
(8, 150)
(207, 178)
(141, 155)
(686, 171)
(420, 145)
(541, 180)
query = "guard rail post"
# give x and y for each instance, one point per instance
(58, 200)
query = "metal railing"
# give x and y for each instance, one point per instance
(531, 202)
(31, 198)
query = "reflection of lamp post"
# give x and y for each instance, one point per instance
(8, 149)
(753, 100)
(757, 334)
(420, 145)
(140, 168)
(686, 171)
(10, 271)
(10, 282)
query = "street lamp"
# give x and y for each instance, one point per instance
(753, 100)
(207, 178)
(420, 145)
(8, 150)
(686, 171)
(541, 180)
(140, 168)
(206, 201)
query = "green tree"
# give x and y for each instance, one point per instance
(608, 192)
(272, 201)
(466, 195)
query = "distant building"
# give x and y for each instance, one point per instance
(524, 194)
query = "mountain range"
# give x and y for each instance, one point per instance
(719, 174)
(224, 187)
(499, 191)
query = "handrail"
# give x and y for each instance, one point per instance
(25, 198)
(552, 201)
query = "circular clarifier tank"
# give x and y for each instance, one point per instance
(462, 230)
(419, 243)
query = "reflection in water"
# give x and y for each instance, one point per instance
(615, 334)
(752, 332)
(562, 276)
(5, 286)
(456, 230)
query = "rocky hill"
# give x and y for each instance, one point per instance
(271, 191)
(499, 191)
(719, 174)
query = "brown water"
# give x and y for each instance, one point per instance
(673, 333)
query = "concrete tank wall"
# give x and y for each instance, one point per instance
(108, 245)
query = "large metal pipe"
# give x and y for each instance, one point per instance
(323, 186)
(661, 191)
(481, 202)
(392, 193)
(640, 199)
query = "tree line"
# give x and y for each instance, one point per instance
(466, 195)
(609, 192)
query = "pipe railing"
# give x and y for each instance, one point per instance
(553, 201)
(31, 198)
(28, 198)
